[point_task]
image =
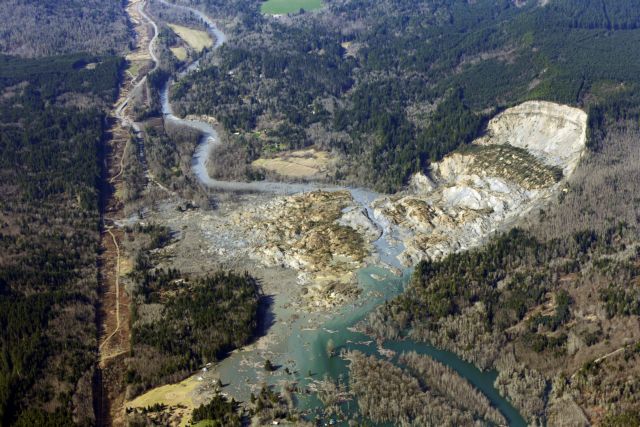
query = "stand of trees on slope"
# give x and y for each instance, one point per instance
(179, 324)
(365, 79)
(52, 123)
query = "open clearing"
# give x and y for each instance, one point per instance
(296, 164)
(136, 66)
(197, 39)
(179, 52)
(279, 7)
(180, 395)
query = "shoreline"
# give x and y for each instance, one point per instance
(283, 341)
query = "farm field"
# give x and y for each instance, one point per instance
(173, 395)
(296, 164)
(278, 7)
(197, 39)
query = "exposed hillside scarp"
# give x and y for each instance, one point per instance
(519, 163)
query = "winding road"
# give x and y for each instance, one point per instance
(119, 110)
(117, 286)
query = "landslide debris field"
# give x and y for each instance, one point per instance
(283, 212)
(325, 236)
(306, 247)
(319, 239)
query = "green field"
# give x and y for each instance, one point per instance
(278, 7)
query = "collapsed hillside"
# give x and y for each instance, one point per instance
(325, 236)
(518, 164)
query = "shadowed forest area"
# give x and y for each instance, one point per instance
(52, 123)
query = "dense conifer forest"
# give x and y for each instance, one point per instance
(52, 124)
(373, 81)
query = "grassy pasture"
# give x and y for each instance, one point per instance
(296, 164)
(135, 66)
(197, 39)
(179, 394)
(179, 52)
(278, 7)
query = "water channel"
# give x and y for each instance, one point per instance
(301, 348)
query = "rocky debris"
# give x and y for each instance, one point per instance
(323, 235)
(420, 183)
(358, 219)
(527, 150)
(513, 164)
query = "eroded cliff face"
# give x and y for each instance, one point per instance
(522, 160)
(555, 134)
(325, 236)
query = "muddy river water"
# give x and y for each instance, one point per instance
(300, 339)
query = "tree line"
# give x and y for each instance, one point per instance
(52, 127)
(377, 104)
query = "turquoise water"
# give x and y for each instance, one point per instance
(304, 350)
(308, 348)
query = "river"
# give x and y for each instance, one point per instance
(301, 349)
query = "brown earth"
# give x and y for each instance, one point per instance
(113, 312)
(113, 315)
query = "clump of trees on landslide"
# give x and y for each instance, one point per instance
(270, 406)
(220, 411)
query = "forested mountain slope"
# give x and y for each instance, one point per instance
(390, 86)
(52, 123)
(34, 28)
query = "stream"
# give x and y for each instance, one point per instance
(300, 350)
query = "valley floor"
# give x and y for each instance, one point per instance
(308, 246)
